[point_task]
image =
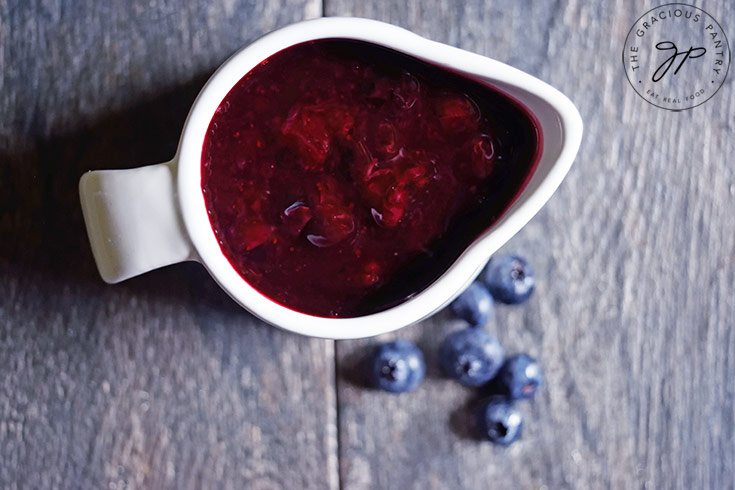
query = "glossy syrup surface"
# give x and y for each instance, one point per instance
(341, 177)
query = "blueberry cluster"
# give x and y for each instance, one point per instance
(472, 356)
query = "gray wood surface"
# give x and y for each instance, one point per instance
(162, 382)
(634, 312)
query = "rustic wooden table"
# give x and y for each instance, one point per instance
(163, 382)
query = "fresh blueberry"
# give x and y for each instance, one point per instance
(520, 377)
(474, 305)
(397, 366)
(471, 356)
(509, 278)
(499, 421)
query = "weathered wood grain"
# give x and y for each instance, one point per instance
(160, 382)
(634, 311)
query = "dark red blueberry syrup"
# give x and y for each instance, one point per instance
(342, 177)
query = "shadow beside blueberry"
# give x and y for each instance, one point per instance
(355, 368)
(463, 421)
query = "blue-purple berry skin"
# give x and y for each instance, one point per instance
(520, 377)
(474, 305)
(471, 356)
(499, 421)
(509, 278)
(397, 366)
